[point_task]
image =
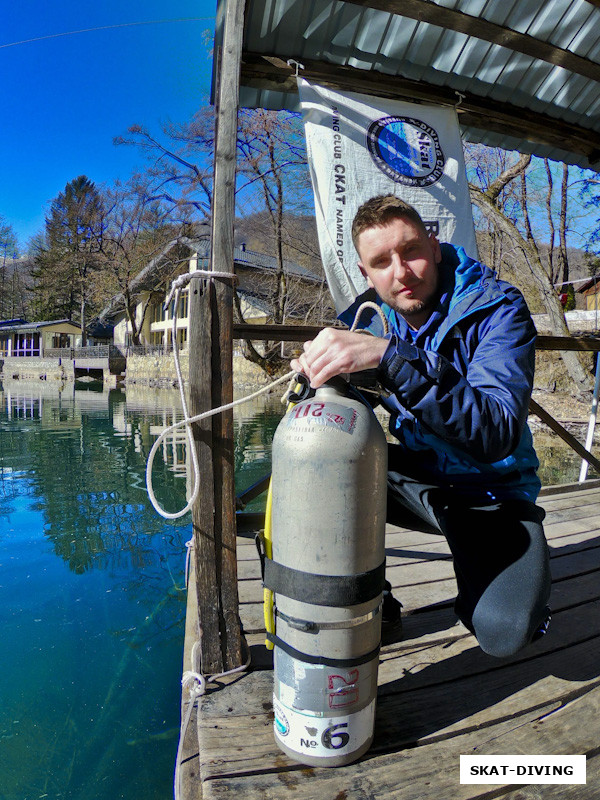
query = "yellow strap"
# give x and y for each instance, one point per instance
(268, 605)
(268, 601)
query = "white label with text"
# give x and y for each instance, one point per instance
(323, 736)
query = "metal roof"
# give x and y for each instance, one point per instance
(260, 261)
(524, 74)
(22, 326)
(151, 275)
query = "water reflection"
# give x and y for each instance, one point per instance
(91, 591)
(558, 462)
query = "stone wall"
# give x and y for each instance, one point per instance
(146, 370)
(51, 369)
(577, 322)
(159, 370)
(155, 369)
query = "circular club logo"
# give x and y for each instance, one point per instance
(407, 150)
(282, 726)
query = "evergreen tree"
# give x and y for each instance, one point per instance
(8, 253)
(67, 256)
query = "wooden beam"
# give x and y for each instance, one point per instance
(565, 488)
(579, 343)
(254, 491)
(276, 333)
(222, 215)
(203, 522)
(482, 113)
(302, 333)
(479, 28)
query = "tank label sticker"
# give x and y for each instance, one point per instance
(332, 415)
(322, 689)
(343, 689)
(325, 737)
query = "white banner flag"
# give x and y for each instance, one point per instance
(359, 147)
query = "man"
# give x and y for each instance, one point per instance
(457, 372)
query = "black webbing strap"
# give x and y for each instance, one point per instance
(323, 590)
(339, 663)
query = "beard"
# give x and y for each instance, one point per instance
(416, 308)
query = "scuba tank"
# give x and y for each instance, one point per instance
(327, 572)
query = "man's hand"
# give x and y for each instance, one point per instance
(334, 352)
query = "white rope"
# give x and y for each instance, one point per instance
(187, 422)
(183, 280)
(195, 683)
(370, 304)
(176, 288)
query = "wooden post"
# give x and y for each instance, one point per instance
(211, 383)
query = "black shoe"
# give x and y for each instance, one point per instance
(391, 620)
(543, 628)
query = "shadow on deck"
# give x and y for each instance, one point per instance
(439, 695)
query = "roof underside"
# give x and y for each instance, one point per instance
(525, 74)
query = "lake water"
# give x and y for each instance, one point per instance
(92, 597)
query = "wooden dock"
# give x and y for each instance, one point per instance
(439, 695)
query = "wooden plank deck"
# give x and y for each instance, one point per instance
(439, 695)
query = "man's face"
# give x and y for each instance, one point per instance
(399, 261)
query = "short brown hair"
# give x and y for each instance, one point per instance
(379, 211)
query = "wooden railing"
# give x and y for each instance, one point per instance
(580, 343)
(147, 349)
(301, 333)
(93, 351)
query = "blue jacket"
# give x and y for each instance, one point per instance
(459, 387)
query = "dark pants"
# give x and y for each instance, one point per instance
(500, 557)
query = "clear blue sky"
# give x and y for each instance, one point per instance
(63, 99)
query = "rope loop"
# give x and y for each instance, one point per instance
(195, 683)
(189, 546)
(207, 274)
(187, 420)
(370, 304)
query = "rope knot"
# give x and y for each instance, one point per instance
(195, 683)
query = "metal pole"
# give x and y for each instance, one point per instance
(591, 425)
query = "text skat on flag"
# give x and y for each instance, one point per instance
(360, 146)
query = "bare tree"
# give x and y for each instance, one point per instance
(272, 178)
(177, 176)
(273, 158)
(506, 217)
(143, 246)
